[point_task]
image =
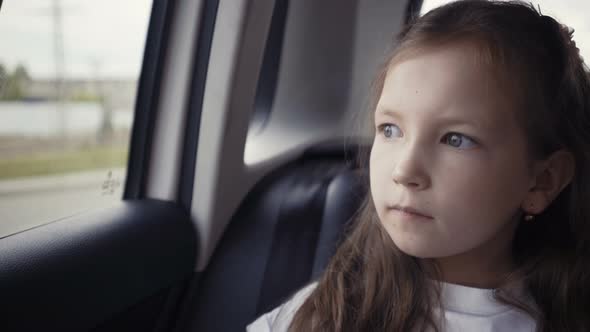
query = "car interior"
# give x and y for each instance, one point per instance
(242, 175)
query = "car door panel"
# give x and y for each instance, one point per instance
(76, 273)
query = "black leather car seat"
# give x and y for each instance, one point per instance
(281, 238)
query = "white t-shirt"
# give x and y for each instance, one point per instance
(465, 309)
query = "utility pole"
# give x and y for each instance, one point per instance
(55, 11)
(59, 57)
(105, 131)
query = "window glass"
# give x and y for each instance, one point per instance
(571, 13)
(68, 78)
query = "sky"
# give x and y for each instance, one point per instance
(573, 13)
(102, 38)
(105, 38)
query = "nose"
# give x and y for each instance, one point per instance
(409, 170)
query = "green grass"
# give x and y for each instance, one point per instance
(63, 162)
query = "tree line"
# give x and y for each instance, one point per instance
(14, 85)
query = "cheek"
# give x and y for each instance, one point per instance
(374, 171)
(380, 162)
(379, 180)
(488, 190)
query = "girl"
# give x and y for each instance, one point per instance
(477, 218)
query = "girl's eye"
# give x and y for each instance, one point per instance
(459, 141)
(390, 130)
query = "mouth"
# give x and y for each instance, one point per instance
(409, 211)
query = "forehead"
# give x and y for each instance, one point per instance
(446, 81)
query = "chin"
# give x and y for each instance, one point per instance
(418, 252)
(419, 248)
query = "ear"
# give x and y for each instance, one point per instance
(551, 176)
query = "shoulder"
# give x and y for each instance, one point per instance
(279, 319)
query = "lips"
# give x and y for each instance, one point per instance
(410, 211)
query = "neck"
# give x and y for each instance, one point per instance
(485, 266)
(473, 272)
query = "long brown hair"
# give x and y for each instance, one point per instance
(370, 285)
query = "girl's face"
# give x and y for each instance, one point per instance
(449, 167)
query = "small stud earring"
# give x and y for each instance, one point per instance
(529, 216)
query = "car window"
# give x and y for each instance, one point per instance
(571, 13)
(68, 79)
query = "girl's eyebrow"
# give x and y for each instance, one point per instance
(389, 112)
(444, 120)
(451, 120)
